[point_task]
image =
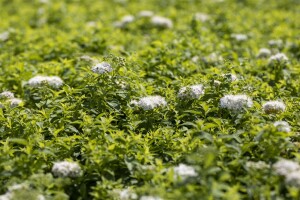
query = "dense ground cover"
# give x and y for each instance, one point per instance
(191, 139)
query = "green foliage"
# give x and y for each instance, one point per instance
(91, 120)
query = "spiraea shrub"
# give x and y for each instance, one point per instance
(149, 100)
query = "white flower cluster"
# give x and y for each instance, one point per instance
(150, 198)
(161, 22)
(52, 81)
(102, 68)
(14, 102)
(66, 169)
(273, 107)
(201, 17)
(232, 77)
(239, 37)
(263, 53)
(290, 170)
(236, 102)
(191, 92)
(126, 194)
(275, 43)
(213, 58)
(7, 95)
(10, 97)
(124, 21)
(260, 165)
(150, 102)
(278, 58)
(9, 195)
(284, 167)
(184, 171)
(4, 36)
(282, 126)
(145, 14)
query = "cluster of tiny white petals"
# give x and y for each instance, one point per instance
(52, 81)
(145, 13)
(217, 83)
(201, 17)
(184, 171)
(66, 169)
(192, 92)
(91, 24)
(275, 43)
(124, 21)
(282, 126)
(6, 196)
(213, 58)
(7, 95)
(260, 165)
(239, 37)
(283, 167)
(236, 102)
(273, 107)
(127, 194)
(263, 53)
(150, 102)
(9, 195)
(161, 22)
(4, 36)
(102, 68)
(293, 178)
(290, 170)
(232, 77)
(14, 102)
(279, 57)
(150, 198)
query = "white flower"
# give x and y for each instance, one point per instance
(161, 22)
(102, 68)
(213, 58)
(273, 107)
(127, 194)
(232, 77)
(7, 95)
(192, 92)
(150, 198)
(66, 169)
(52, 81)
(282, 126)
(236, 102)
(257, 165)
(4, 36)
(45, 1)
(150, 102)
(91, 24)
(275, 43)
(293, 178)
(55, 81)
(284, 167)
(41, 197)
(263, 53)
(124, 21)
(14, 102)
(217, 83)
(277, 58)
(239, 37)
(6, 196)
(201, 17)
(145, 13)
(184, 171)
(127, 19)
(18, 187)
